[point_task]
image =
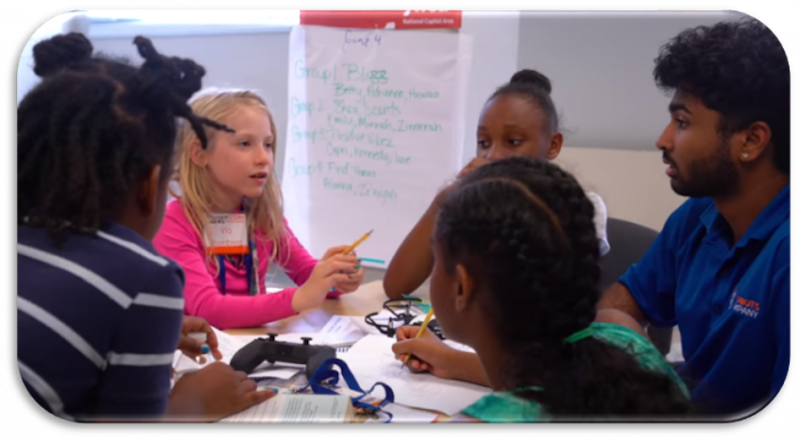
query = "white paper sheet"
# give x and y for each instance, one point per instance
(295, 408)
(341, 331)
(371, 360)
(403, 414)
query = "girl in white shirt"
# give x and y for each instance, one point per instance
(519, 119)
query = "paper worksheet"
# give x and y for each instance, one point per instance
(371, 360)
(228, 344)
(400, 413)
(403, 414)
(341, 331)
(295, 408)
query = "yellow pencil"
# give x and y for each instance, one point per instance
(419, 333)
(357, 243)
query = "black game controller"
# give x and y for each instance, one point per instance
(259, 350)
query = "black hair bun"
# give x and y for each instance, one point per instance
(181, 76)
(534, 78)
(54, 54)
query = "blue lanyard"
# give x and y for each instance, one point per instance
(325, 374)
(248, 264)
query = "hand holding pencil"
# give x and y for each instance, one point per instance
(427, 352)
(338, 270)
(420, 332)
(353, 279)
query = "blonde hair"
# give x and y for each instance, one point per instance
(264, 213)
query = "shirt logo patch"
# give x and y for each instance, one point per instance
(743, 306)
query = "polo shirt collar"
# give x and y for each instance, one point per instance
(770, 218)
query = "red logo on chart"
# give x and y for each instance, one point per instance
(383, 19)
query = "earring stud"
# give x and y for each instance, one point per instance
(745, 155)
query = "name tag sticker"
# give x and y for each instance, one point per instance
(228, 234)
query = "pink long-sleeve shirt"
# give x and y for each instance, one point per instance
(178, 240)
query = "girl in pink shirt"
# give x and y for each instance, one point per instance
(228, 188)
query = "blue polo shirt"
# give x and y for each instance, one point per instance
(731, 303)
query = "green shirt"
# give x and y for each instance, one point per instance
(506, 407)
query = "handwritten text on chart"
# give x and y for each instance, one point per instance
(349, 72)
(357, 129)
(360, 39)
(350, 129)
(299, 168)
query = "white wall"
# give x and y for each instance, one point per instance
(631, 182)
(252, 61)
(260, 67)
(601, 68)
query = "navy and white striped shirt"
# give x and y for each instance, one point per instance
(98, 322)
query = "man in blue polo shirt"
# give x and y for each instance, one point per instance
(720, 267)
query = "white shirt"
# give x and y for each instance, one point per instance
(600, 221)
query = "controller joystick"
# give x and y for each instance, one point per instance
(269, 349)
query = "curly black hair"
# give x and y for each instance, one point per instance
(535, 87)
(738, 69)
(523, 228)
(93, 127)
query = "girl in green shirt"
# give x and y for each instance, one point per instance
(517, 281)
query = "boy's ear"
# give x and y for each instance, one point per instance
(750, 144)
(148, 192)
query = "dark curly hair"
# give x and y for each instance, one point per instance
(95, 126)
(524, 230)
(535, 87)
(738, 69)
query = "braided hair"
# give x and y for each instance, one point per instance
(523, 229)
(94, 127)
